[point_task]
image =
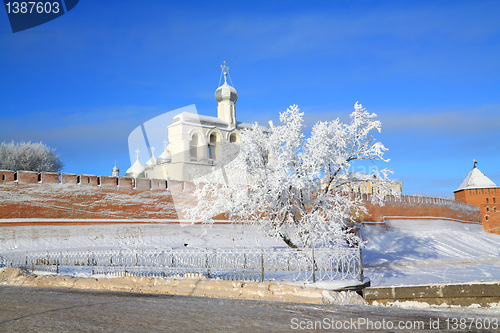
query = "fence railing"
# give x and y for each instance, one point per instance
(321, 264)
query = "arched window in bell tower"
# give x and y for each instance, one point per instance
(233, 138)
(193, 148)
(212, 145)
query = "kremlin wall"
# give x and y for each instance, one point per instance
(51, 198)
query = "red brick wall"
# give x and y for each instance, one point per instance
(6, 176)
(409, 206)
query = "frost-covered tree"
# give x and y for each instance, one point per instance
(295, 184)
(29, 156)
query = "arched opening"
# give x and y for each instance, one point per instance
(233, 138)
(212, 145)
(487, 201)
(193, 148)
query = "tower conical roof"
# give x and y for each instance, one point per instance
(476, 179)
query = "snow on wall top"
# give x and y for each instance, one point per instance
(475, 179)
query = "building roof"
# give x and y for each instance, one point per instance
(475, 179)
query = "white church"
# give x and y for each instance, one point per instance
(195, 142)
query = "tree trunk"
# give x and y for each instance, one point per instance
(288, 241)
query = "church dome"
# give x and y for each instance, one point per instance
(226, 92)
(152, 160)
(165, 157)
(137, 169)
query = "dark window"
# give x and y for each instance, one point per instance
(117, 181)
(487, 209)
(494, 201)
(487, 201)
(98, 180)
(88, 180)
(78, 179)
(212, 147)
(486, 218)
(3, 177)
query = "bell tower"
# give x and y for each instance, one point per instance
(226, 97)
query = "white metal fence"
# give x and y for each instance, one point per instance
(324, 264)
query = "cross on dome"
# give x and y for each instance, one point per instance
(224, 67)
(137, 153)
(225, 71)
(165, 143)
(153, 150)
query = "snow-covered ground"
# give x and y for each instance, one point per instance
(402, 252)
(406, 252)
(132, 236)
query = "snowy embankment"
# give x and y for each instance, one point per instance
(403, 252)
(407, 252)
(132, 236)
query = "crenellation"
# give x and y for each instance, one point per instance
(107, 181)
(69, 178)
(26, 177)
(48, 178)
(6, 176)
(125, 183)
(142, 184)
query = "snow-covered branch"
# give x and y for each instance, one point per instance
(294, 187)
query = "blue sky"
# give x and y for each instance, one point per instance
(429, 69)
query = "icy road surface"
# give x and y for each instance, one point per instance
(25, 309)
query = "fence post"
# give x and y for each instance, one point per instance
(360, 264)
(206, 264)
(313, 266)
(262, 265)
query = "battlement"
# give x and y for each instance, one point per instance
(125, 183)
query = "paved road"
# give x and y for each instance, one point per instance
(48, 310)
